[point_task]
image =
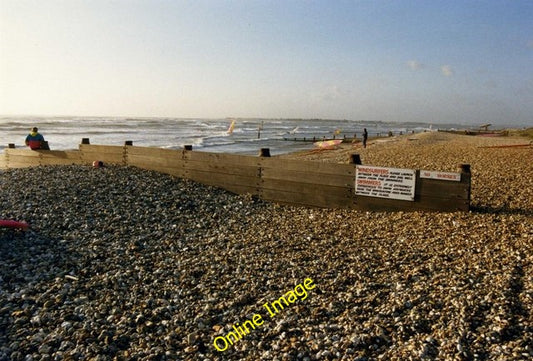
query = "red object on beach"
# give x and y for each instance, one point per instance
(13, 224)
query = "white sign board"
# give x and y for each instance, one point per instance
(393, 183)
(455, 177)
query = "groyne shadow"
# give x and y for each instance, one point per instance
(501, 210)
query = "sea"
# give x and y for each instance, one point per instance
(212, 135)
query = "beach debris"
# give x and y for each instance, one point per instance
(9, 223)
(328, 144)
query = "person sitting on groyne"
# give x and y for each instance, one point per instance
(35, 140)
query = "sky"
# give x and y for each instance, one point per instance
(424, 61)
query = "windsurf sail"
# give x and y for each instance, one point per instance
(294, 130)
(231, 126)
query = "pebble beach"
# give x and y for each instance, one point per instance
(126, 264)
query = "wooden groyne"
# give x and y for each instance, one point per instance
(289, 181)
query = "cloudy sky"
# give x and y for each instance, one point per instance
(430, 61)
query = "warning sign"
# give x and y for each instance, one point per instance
(455, 177)
(393, 183)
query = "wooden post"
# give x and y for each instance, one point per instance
(187, 147)
(464, 168)
(128, 142)
(11, 145)
(466, 178)
(85, 141)
(355, 159)
(264, 152)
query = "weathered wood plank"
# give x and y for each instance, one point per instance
(104, 153)
(106, 158)
(314, 200)
(339, 180)
(222, 158)
(306, 188)
(235, 184)
(308, 166)
(102, 149)
(59, 154)
(3, 160)
(214, 178)
(142, 161)
(154, 152)
(31, 160)
(23, 152)
(223, 168)
(441, 189)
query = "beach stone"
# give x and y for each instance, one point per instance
(164, 265)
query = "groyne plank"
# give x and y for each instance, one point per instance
(305, 188)
(308, 177)
(212, 178)
(442, 189)
(222, 158)
(61, 157)
(18, 158)
(23, 152)
(168, 161)
(307, 166)
(154, 152)
(223, 168)
(28, 160)
(320, 200)
(105, 153)
(103, 149)
(227, 181)
(144, 161)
